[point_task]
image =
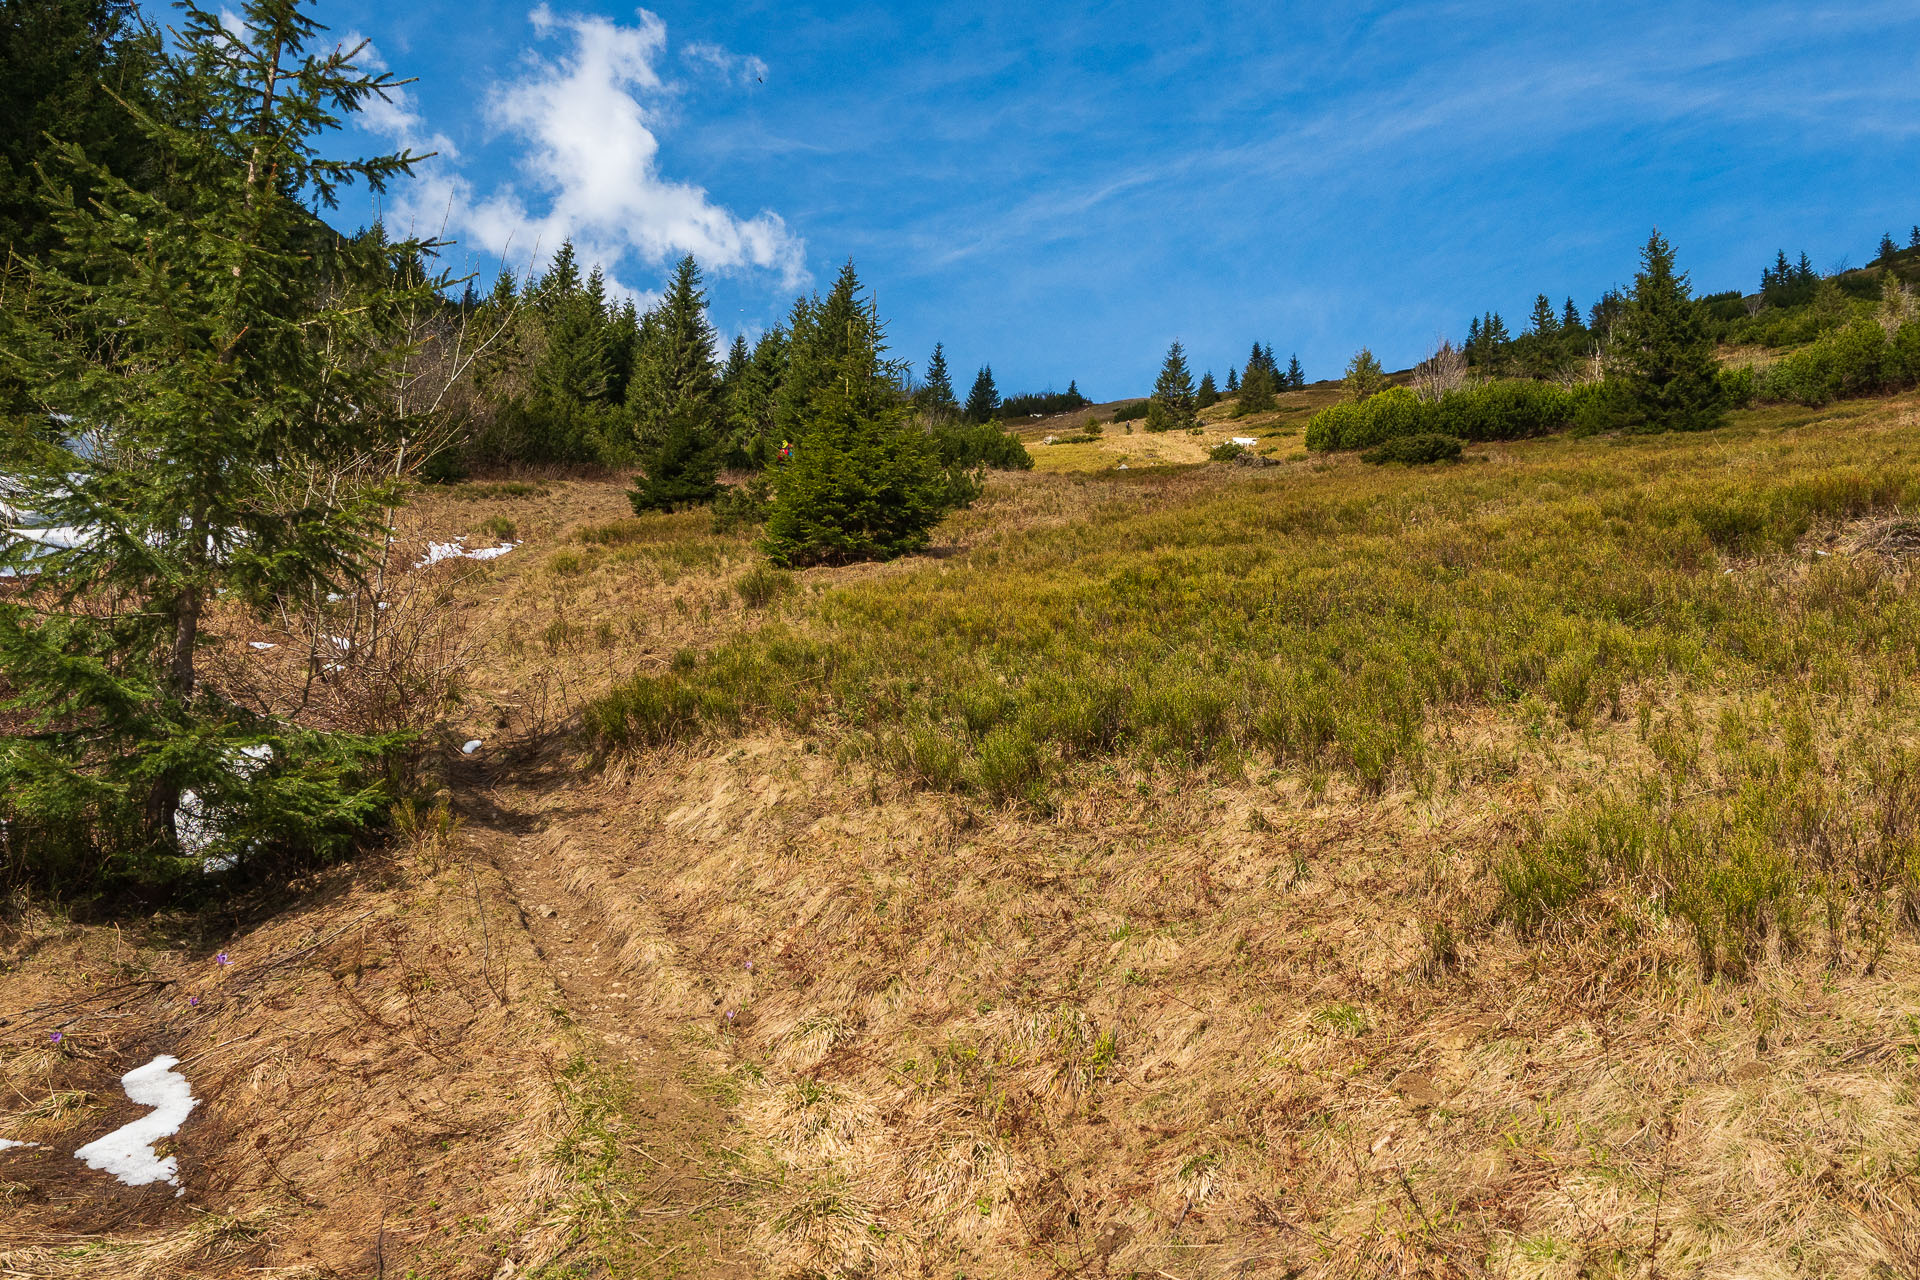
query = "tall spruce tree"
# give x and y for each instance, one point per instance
(1171, 407)
(936, 397)
(1296, 376)
(1258, 384)
(1662, 356)
(757, 422)
(1570, 318)
(674, 399)
(1208, 395)
(1543, 323)
(983, 401)
(1888, 250)
(863, 481)
(221, 366)
(1233, 380)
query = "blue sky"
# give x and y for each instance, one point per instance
(1060, 190)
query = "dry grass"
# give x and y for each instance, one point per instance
(1182, 1013)
(383, 1086)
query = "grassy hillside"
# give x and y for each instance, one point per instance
(1509, 868)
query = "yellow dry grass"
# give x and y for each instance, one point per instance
(1178, 1020)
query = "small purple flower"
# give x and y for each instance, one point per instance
(57, 1037)
(729, 1015)
(749, 966)
(193, 1002)
(222, 960)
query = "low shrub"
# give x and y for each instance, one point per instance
(1509, 410)
(1414, 450)
(965, 445)
(1131, 412)
(1226, 451)
(1857, 359)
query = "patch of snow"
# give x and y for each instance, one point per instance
(1245, 442)
(127, 1153)
(457, 550)
(472, 746)
(7, 1144)
(58, 537)
(260, 645)
(197, 827)
(341, 642)
(194, 827)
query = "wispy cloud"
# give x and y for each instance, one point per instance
(743, 69)
(587, 122)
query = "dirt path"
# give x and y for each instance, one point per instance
(682, 1219)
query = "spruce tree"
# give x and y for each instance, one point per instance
(1233, 381)
(1296, 376)
(1364, 377)
(1171, 407)
(676, 380)
(505, 292)
(1570, 318)
(757, 422)
(1258, 384)
(1888, 249)
(1662, 357)
(1208, 395)
(244, 364)
(622, 337)
(983, 402)
(683, 468)
(863, 481)
(1913, 239)
(562, 278)
(937, 396)
(1543, 323)
(1074, 397)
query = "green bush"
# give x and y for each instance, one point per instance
(1508, 410)
(1414, 450)
(1851, 361)
(1131, 412)
(1226, 451)
(966, 445)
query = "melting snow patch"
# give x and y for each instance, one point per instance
(472, 746)
(127, 1153)
(1245, 442)
(457, 550)
(9, 1143)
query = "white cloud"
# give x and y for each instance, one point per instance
(587, 123)
(743, 69)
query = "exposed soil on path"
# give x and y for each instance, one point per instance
(680, 1222)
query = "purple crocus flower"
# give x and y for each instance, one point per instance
(222, 960)
(193, 1002)
(57, 1037)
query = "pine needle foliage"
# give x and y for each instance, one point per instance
(1662, 357)
(210, 375)
(863, 481)
(1172, 405)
